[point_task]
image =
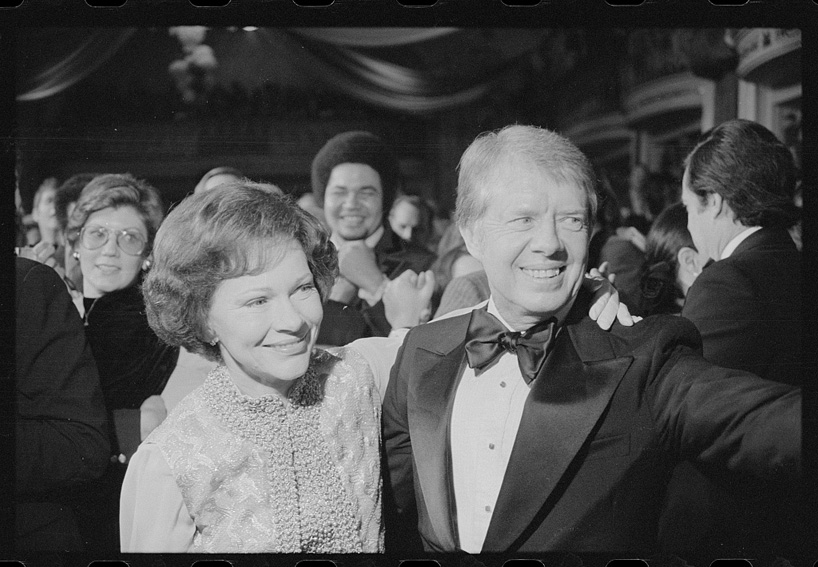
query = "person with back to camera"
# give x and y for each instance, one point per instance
(279, 450)
(738, 188)
(520, 427)
(111, 231)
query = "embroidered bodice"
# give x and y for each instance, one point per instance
(300, 475)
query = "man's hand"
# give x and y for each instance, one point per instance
(407, 299)
(343, 291)
(42, 252)
(606, 306)
(357, 263)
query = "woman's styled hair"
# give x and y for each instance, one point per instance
(658, 275)
(553, 154)
(117, 190)
(233, 230)
(750, 168)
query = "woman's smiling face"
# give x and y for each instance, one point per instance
(108, 268)
(267, 324)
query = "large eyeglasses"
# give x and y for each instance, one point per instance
(129, 241)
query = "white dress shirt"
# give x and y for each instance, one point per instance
(737, 239)
(485, 417)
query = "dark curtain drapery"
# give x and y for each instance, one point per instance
(73, 64)
(352, 61)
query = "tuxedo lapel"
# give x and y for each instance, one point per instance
(569, 395)
(439, 368)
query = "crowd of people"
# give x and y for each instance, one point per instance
(255, 373)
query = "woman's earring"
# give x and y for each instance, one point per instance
(214, 341)
(146, 264)
(76, 255)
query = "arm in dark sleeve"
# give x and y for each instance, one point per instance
(61, 429)
(727, 313)
(400, 511)
(725, 419)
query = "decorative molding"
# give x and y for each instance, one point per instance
(660, 97)
(758, 47)
(611, 127)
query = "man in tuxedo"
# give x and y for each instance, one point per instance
(355, 177)
(738, 189)
(521, 426)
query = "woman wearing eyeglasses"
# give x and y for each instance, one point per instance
(111, 232)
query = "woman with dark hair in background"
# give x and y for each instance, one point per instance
(672, 263)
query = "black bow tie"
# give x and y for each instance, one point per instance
(487, 338)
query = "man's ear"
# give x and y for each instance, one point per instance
(688, 260)
(472, 240)
(717, 204)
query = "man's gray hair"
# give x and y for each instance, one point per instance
(554, 154)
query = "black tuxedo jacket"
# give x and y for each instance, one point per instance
(606, 419)
(747, 307)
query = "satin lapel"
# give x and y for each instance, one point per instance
(429, 416)
(569, 395)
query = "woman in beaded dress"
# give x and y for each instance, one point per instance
(278, 450)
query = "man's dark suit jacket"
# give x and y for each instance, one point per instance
(343, 323)
(61, 432)
(608, 416)
(747, 308)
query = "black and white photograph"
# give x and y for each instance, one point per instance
(411, 292)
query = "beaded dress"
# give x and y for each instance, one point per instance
(300, 475)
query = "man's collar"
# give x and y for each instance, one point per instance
(371, 241)
(492, 308)
(737, 239)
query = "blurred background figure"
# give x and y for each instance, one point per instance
(44, 214)
(111, 231)
(61, 434)
(738, 188)
(671, 265)
(309, 203)
(453, 259)
(637, 212)
(411, 219)
(65, 200)
(217, 176)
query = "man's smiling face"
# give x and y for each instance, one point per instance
(353, 201)
(533, 242)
